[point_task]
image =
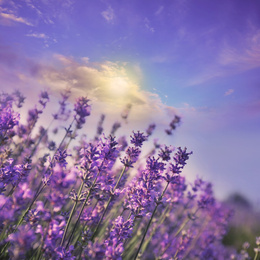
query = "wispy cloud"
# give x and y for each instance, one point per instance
(108, 14)
(159, 10)
(38, 35)
(7, 17)
(232, 59)
(148, 26)
(243, 58)
(229, 92)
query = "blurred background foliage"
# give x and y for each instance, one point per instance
(245, 224)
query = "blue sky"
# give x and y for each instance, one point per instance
(199, 59)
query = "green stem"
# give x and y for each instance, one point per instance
(22, 218)
(150, 221)
(40, 138)
(185, 223)
(30, 206)
(256, 253)
(161, 220)
(71, 213)
(110, 198)
(81, 210)
(84, 204)
(178, 231)
(194, 241)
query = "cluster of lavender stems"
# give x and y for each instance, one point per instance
(83, 202)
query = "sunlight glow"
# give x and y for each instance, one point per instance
(118, 87)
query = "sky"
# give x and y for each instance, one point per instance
(198, 59)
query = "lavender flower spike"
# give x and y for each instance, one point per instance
(138, 139)
(82, 109)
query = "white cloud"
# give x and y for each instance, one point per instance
(229, 92)
(110, 87)
(232, 59)
(37, 35)
(159, 10)
(108, 14)
(148, 26)
(85, 59)
(243, 58)
(12, 17)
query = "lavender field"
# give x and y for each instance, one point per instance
(129, 129)
(66, 196)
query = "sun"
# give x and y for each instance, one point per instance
(118, 87)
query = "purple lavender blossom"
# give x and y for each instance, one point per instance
(109, 151)
(19, 98)
(174, 123)
(63, 113)
(21, 242)
(10, 174)
(181, 156)
(120, 232)
(54, 234)
(122, 143)
(60, 157)
(100, 123)
(137, 139)
(94, 251)
(44, 98)
(150, 129)
(51, 145)
(115, 127)
(8, 119)
(64, 254)
(82, 109)
(165, 152)
(154, 167)
(132, 156)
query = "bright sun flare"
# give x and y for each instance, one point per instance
(118, 87)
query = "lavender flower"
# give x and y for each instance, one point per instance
(64, 254)
(181, 156)
(82, 109)
(100, 123)
(165, 152)
(8, 119)
(63, 113)
(44, 98)
(115, 127)
(120, 232)
(10, 174)
(138, 138)
(21, 242)
(19, 100)
(132, 156)
(174, 123)
(150, 129)
(60, 157)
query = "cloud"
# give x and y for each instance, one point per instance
(38, 35)
(148, 26)
(229, 92)
(109, 85)
(108, 14)
(159, 10)
(244, 57)
(231, 58)
(7, 17)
